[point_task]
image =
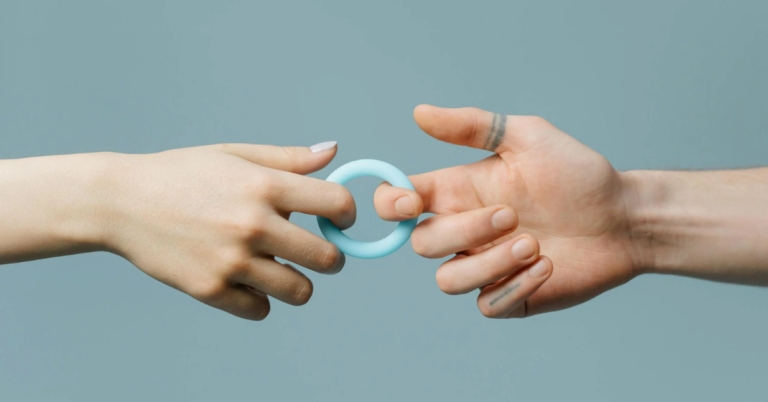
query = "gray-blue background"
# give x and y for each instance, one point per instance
(651, 84)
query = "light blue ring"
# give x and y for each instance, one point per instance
(374, 249)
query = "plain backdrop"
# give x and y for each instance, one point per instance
(650, 85)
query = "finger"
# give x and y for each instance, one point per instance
(502, 299)
(442, 235)
(396, 203)
(440, 190)
(281, 281)
(463, 274)
(315, 197)
(238, 300)
(478, 128)
(290, 242)
(301, 160)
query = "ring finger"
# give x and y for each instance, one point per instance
(281, 281)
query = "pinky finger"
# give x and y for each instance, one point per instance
(244, 302)
(506, 297)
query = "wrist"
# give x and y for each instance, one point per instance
(710, 225)
(94, 179)
(650, 219)
(55, 206)
(103, 186)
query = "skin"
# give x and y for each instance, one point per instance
(208, 221)
(590, 227)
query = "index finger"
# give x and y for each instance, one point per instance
(437, 191)
(396, 203)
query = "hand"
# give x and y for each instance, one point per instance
(540, 184)
(210, 221)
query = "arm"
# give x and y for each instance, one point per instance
(208, 221)
(50, 206)
(711, 225)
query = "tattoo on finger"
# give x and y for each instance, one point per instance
(496, 133)
(506, 291)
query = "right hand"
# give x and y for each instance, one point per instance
(541, 193)
(209, 221)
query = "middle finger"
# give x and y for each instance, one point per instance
(442, 235)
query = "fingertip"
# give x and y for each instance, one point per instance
(315, 157)
(324, 147)
(422, 113)
(397, 204)
(541, 269)
(504, 219)
(409, 205)
(262, 314)
(525, 248)
(256, 309)
(420, 109)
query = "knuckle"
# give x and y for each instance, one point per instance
(254, 231)
(261, 312)
(267, 186)
(534, 121)
(467, 232)
(343, 201)
(208, 290)
(235, 263)
(249, 225)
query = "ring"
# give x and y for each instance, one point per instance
(374, 249)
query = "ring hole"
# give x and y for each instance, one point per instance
(368, 226)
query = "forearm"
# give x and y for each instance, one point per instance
(711, 225)
(49, 206)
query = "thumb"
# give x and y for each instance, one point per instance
(480, 129)
(300, 160)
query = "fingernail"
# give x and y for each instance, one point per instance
(523, 249)
(539, 270)
(404, 206)
(323, 146)
(503, 219)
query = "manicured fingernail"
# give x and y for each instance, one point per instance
(323, 146)
(503, 219)
(404, 206)
(523, 249)
(539, 270)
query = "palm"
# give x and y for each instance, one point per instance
(565, 194)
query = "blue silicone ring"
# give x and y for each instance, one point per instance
(374, 249)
